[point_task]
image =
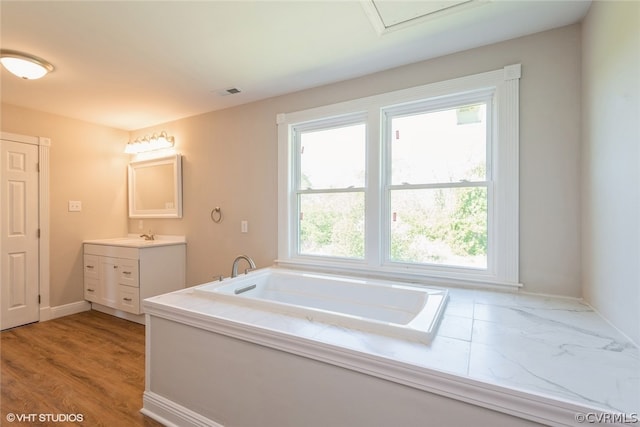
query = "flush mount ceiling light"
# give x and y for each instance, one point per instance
(23, 65)
(149, 143)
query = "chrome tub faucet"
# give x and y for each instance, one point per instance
(234, 269)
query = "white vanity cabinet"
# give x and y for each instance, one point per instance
(120, 273)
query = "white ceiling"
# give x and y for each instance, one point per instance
(134, 64)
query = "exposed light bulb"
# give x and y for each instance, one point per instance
(149, 143)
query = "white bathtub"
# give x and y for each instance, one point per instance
(376, 306)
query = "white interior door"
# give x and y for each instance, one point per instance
(19, 267)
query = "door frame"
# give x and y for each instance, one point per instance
(44, 172)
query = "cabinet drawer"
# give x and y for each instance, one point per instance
(91, 266)
(91, 288)
(128, 299)
(128, 272)
(111, 251)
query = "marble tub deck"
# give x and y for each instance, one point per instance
(552, 347)
(549, 346)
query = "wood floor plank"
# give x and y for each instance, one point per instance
(88, 363)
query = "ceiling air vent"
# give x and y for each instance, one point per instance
(229, 91)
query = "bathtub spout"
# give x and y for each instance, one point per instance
(234, 269)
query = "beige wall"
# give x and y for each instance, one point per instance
(611, 162)
(87, 164)
(230, 161)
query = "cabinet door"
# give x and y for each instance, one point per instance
(92, 278)
(108, 281)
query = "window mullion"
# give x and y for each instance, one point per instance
(374, 248)
(384, 208)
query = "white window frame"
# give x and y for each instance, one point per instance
(454, 101)
(504, 213)
(296, 130)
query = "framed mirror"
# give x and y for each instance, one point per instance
(155, 188)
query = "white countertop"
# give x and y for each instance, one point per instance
(550, 349)
(135, 241)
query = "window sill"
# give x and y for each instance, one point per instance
(414, 276)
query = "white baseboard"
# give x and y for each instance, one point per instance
(171, 414)
(45, 314)
(138, 318)
(49, 313)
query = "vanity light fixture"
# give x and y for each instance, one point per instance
(23, 65)
(149, 143)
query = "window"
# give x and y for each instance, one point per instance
(419, 184)
(438, 182)
(330, 186)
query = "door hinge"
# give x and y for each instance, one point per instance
(38, 233)
(39, 299)
(37, 167)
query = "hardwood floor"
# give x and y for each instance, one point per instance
(90, 364)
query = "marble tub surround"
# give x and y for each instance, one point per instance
(557, 347)
(540, 358)
(548, 346)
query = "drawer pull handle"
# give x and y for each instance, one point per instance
(127, 299)
(126, 272)
(90, 290)
(115, 266)
(90, 267)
